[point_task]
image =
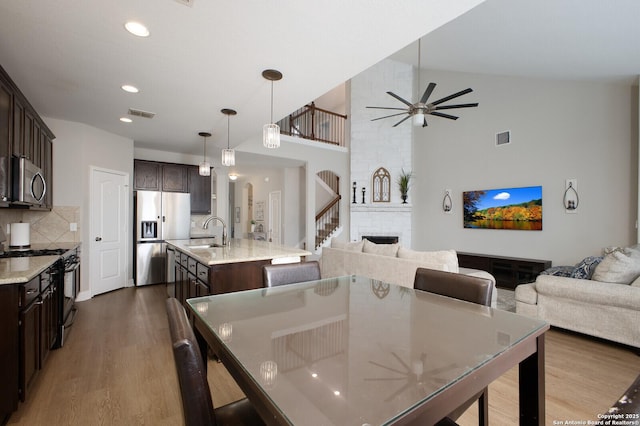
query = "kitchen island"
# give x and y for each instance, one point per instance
(203, 267)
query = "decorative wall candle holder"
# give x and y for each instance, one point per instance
(571, 199)
(447, 202)
(354, 192)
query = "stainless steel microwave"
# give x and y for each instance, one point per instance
(29, 185)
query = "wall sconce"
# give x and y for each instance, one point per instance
(233, 176)
(570, 200)
(363, 191)
(447, 202)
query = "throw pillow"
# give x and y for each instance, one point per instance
(619, 266)
(354, 246)
(559, 271)
(447, 258)
(382, 249)
(584, 269)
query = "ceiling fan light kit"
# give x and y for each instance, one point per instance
(418, 111)
(271, 131)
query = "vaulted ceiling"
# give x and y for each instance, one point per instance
(70, 57)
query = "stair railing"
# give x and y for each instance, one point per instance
(327, 220)
(311, 122)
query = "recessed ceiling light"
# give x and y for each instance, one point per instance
(136, 28)
(126, 119)
(129, 88)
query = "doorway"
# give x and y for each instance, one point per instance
(109, 204)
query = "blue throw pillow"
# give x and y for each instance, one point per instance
(559, 271)
(584, 269)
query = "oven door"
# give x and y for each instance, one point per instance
(70, 286)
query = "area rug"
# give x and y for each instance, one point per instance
(506, 300)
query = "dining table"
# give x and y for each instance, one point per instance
(357, 351)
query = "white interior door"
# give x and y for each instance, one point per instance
(275, 217)
(109, 230)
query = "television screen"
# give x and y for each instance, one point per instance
(505, 208)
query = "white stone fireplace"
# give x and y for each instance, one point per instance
(376, 144)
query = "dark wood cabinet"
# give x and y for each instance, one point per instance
(200, 191)
(175, 178)
(509, 272)
(170, 177)
(146, 175)
(5, 140)
(9, 350)
(30, 327)
(22, 134)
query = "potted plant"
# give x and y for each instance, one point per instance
(253, 225)
(404, 181)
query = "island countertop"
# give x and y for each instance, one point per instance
(239, 250)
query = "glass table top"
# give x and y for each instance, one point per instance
(356, 351)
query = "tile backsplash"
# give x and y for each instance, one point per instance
(46, 227)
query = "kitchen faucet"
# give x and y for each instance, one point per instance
(205, 225)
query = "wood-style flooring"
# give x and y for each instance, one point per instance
(116, 368)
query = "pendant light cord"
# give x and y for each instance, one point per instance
(228, 132)
(271, 101)
(204, 149)
(419, 68)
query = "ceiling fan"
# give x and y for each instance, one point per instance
(421, 109)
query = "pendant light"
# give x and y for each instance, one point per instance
(228, 155)
(205, 167)
(271, 131)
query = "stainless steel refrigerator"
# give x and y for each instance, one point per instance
(160, 216)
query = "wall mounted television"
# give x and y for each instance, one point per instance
(503, 208)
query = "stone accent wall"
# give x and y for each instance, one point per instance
(376, 144)
(46, 227)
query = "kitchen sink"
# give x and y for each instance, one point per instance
(203, 246)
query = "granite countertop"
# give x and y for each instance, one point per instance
(15, 270)
(239, 250)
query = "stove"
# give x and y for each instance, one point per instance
(30, 253)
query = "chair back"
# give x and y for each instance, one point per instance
(289, 273)
(197, 405)
(459, 286)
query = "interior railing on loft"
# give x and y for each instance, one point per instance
(327, 220)
(311, 122)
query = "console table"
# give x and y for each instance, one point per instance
(508, 271)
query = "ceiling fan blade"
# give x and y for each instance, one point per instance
(387, 116)
(439, 114)
(457, 106)
(455, 95)
(401, 121)
(399, 109)
(404, 101)
(427, 93)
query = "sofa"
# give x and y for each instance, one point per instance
(390, 263)
(599, 296)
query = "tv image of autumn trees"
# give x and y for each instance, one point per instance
(520, 216)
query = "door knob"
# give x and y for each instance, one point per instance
(98, 239)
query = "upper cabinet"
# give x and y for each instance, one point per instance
(22, 134)
(200, 190)
(170, 177)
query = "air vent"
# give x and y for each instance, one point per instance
(186, 2)
(503, 138)
(140, 113)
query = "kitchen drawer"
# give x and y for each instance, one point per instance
(184, 259)
(191, 265)
(29, 291)
(203, 273)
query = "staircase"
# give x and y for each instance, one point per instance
(328, 218)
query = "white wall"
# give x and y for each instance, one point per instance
(76, 148)
(559, 130)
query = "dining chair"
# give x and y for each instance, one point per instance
(289, 273)
(197, 405)
(468, 288)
